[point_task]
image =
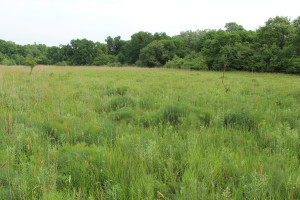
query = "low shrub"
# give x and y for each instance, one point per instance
(192, 61)
(176, 62)
(8, 62)
(114, 64)
(62, 63)
(196, 63)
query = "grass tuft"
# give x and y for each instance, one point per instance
(120, 102)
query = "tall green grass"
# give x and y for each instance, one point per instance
(128, 133)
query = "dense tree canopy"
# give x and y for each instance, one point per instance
(154, 54)
(274, 47)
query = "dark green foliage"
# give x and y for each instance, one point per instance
(154, 54)
(189, 37)
(114, 45)
(176, 62)
(120, 102)
(273, 47)
(54, 55)
(276, 32)
(232, 27)
(194, 61)
(31, 62)
(8, 62)
(103, 59)
(62, 63)
(240, 118)
(294, 66)
(175, 47)
(161, 36)
(82, 52)
(238, 57)
(191, 61)
(114, 64)
(138, 42)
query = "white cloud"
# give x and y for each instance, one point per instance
(55, 22)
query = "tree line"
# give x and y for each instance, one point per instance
(274, 47)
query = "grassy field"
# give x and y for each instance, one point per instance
(132, 133)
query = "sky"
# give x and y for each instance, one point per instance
(55, 22)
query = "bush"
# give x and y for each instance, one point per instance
(62, 63)
(192, 61)
(176, 62)
(196, 63)
(109, 60)
(114, 64)
(8, 62)
(101, 60)
(139, 63)
(295, 66)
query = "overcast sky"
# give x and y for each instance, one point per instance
(55, 22)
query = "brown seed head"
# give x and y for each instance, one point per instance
(261, 171)
(3, 165)
(160, 194)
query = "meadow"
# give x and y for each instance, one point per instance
(139, 133)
